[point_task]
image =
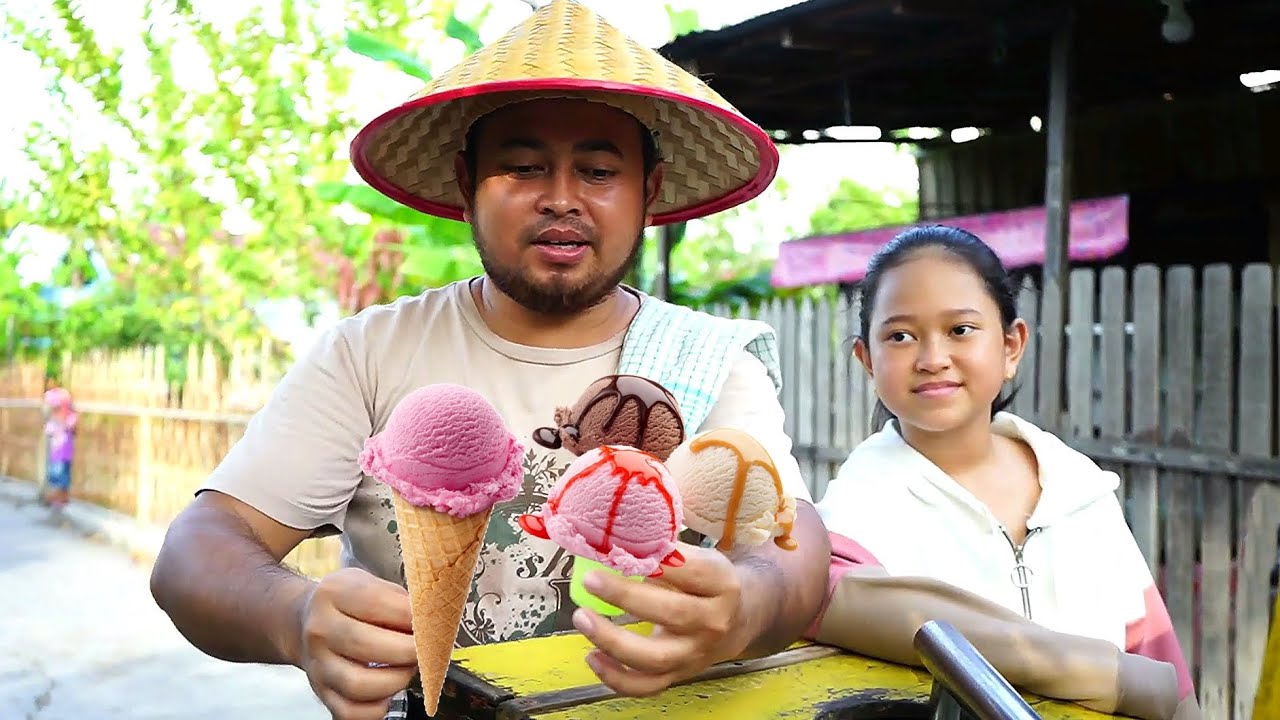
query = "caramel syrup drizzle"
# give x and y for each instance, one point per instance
(629, 466)
(749, 454)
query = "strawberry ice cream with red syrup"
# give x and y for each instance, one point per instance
(445, 447)
(616, 505)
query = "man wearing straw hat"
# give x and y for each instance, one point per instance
(559, 143)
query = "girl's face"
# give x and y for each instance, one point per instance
(935, 347)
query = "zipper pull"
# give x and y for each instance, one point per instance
(1021, 574)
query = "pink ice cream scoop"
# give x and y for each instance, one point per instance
(445, 447)
(617, 506)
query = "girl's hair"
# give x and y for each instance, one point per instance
(965, 247)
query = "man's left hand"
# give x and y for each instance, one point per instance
(698, 619)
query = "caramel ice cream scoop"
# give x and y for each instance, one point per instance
(731, 490)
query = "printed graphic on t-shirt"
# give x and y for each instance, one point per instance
(521, 585)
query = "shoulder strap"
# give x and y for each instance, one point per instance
(691, 352)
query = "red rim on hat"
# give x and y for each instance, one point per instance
(713, 157)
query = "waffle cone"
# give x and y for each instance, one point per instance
(439, 553)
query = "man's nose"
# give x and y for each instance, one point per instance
(560, 196)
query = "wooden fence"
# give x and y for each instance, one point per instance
(144, 445)
(1170, 379)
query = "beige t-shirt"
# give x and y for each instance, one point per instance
(297, 461)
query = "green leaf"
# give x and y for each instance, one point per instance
(682, 22)
(458, 30)
(376, 49)
(368, 200)
(439, 233)
(854, 206)
(432, 266)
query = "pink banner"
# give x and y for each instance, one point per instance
(1099, 230)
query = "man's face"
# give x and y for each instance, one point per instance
(560, 201)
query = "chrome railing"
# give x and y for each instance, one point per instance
(965, 685)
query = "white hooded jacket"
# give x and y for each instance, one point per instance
(1078, 572)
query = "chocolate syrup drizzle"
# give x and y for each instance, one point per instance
(647, 394)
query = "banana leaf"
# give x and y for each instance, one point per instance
(375, 49)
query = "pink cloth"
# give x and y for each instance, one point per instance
(1099, 230)
(845, 555)
(1152, 636)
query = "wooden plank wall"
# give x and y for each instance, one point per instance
(1117, 150)
(145, 444)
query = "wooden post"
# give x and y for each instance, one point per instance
(1057, 200)
(669, 235)
(144, 502)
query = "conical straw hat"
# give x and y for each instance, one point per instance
(714, 157)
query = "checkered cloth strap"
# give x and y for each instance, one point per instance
(690, 353)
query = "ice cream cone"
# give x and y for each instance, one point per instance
(440, 553)
(581, 596)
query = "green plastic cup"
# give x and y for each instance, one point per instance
(579, 594)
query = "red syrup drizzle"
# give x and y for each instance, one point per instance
(627, 467)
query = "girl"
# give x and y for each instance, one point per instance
(60, 429)
(957, 510)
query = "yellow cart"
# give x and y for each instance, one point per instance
(547, 679)
(1266, 703)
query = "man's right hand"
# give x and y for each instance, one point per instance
(349, 621)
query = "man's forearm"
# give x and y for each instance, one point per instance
(783, 590)
(225, 592)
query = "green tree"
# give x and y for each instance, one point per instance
(854, 206)
(410, 250)
(24, 314)
(172, 156)
(145, 168)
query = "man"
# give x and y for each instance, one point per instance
(558, 144)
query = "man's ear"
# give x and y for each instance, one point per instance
(863, 353)
(466, 184)
(652, 190)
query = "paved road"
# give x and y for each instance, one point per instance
(80, 637)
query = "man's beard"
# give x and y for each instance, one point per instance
(557, 297)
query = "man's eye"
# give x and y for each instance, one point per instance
(963, 329)
(899, 336)
(600, 173)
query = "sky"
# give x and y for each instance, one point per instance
(809, 172)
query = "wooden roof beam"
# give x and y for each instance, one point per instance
(935, 49)
(835, 42)
(933, 9)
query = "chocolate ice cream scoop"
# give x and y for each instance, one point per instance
(618, 410)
